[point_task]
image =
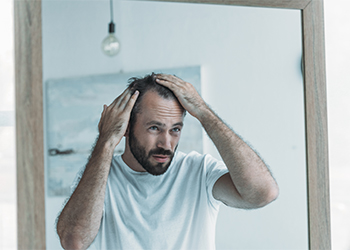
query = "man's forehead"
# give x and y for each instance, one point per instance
(161, 112)
(152, 101)
(160, 118)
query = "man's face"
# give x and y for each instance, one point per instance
(154, 137)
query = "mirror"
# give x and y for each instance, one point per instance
(250, 67)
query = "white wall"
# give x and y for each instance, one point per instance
(250, 59)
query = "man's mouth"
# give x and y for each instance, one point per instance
(161, 158)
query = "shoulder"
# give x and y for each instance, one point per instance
(197, 159)
(116, 161)
(193, 156)
(119, 167)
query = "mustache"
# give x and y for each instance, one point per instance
(160, 151)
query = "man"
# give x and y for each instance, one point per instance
(153, 197)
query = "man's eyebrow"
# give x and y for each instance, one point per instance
(155, 123)
(163, 125)
(178, 124)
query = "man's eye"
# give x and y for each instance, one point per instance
(153, 128)
(176, 129)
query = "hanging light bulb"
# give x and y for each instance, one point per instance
(110, 45)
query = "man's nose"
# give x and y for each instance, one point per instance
(164, 141)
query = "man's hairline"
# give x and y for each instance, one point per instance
(169, 97)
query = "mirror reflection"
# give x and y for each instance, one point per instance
(248, 62)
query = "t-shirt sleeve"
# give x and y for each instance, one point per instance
(214, 170)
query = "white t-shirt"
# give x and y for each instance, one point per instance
(175, 210)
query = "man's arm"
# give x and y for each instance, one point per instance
(80, 219)
(249, 183)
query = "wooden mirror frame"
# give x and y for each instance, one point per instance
(29, 118)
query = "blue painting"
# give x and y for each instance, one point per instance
(73, 110)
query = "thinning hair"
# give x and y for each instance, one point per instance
(143, 85)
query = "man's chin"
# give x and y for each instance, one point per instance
(157, 169)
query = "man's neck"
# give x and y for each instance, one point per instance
(130, 160)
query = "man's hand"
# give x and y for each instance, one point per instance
(185, 93)
(115, 117)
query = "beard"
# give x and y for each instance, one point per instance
(143, 157)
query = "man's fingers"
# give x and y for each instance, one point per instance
(172, 78)
(166, 76)
(166, 81)
(119, 98)
(170, 81)
(163, 82)
(131, 102)
(177, 86)
(125, 100)
(120, 103)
